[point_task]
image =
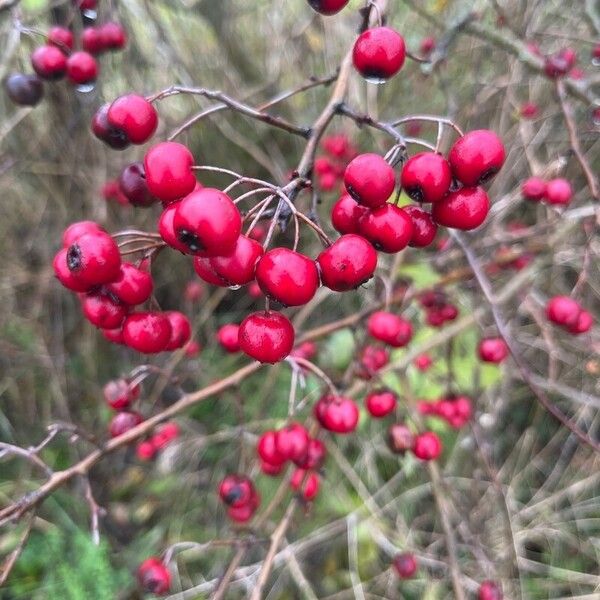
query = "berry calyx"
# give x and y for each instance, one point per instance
(426, 177)
(168, 168)
(388, 228)
(464, 209)
(370, 180)
(153, 576)
(266, 336)
(379, 54)
(476, 157)
(135, 116)
(24, 90)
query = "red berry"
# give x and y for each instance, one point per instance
(380, 404)
(492, 350)
(167, 229)
(49, 62)
(405, 565)
(206, 272)
(464, 209)
(345, 214)
(389, 328)
(584, 323)
(193, 291)
(337, 414)
(388, 228)
(266, 336)
(181, 330)
(533, 188)
(102, 129)
(476, 157)
(164, 435)
(228, 337)
(239, 266)
(292, 442)
(61, 37)
(135, 116)
(559, 191)
(529, 110)
(315, 455)
(94, 258)
(192, 349)
(427, 46)
(310, 489)
(489, 590)
(236, 491)
(423, 362)
(113, 335)
(132, 183)
(372, 359)
(153, 576)
(305, 350)
(267, 449)
(427, 446)
(400, 438)
(24, 90)
(133, 286)
(64, 274)
(92, 40)
(120, 394)
(82, 68)
(348, 263)
(122, 422)
(103, 312)
(424, 229)
(379, 54)
(560, 63)
(168, 168)
(426, 177)
(145, 451)
(328, 7)
(270, 469)
(147, 332)
(288, 277)
(370, 180)
(563, 310)
(208, 222)
(114, 36)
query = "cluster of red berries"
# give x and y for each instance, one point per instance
(89, 264)
(556, 191)
(567, 313)
(455, 410)
(160, 439)
(371, 360)
(438, 310)
(492, 350)
(154, 576)
(329, 167)
(425, 446)
(240, 496)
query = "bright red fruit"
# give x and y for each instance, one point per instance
(207, 222)
(427, 446)
(267, 449)
(122, 422)
(60, 37)
(328, 7)
(114, 36)
(489, 590)
(228, 337)
(133, 286)
(345, 214)
(379, 54)
(239, 266)
(370, 180)
(427, 45)
(389, 328)
(533, 188)
(164, 435)
(584, 323)
(388, 228)
(181, 330)
(270, 469)
(167, 230)
(135, 116)
(266, 336)
(423, 362)
(560, 63)
(292, 442)
(315, 455)
(236, 490)
(529, 110)
(424, 229)
(400, 438)
(145, 450)
(94, 258)
(464, 209)
(310, 489)
(205, 271)
(153, 576)
(64, 274)
(348, 263)
(49, 62)
(103, 312)
(91, 40)
(168, 168)
(119, 393)
(77, 229)
(405, 565)
(476, 157)
(372, 359)
(381, 403)
(287, 276)
(113, 335)
(82, 68)
(426, 177)
(492, 350)
(559, 191)
(147, 332)
(337, 414)
(563, 310)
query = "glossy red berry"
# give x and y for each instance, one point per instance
(24, 90)
(464, 209)
(103, 312)
(424, 229)
(489, 590)
(348, 263)
(427, 446)
(206, 272)
(228, 337)
(426, 177)
(49, 62)
(153, 576)
(64, 274)
(61, 37)
(381, 403)
(164, 435)
(389, 328)
(123, 421)
(287, 276)
(492, 350)
(82, 68)
(400, 438)
(168, 168)
(147, 332)
(114, 36)
(236, 490)
(370, 180)
(584, 323)
(337, 414)
(267, 449)
(94, 258)
(379, 54)
(292, 442)
(135, 116)
(314, 457)
(345, 214)
(239, 266)
(266, 336)
(405, 565)
(423, 362)
(388, 228)
(145, 451)
(305, 350)
(476, 157)
(102, 129)
(559, 192)
(181, 330)
(120, 394)
(533, 188)
(328, 7)
(311, 485)
(207, 222)
(74, 231)
(92, 40)
(166, 229)
(563, 310)
(133, 286)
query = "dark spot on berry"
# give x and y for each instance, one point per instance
(489, 174)
(74, 257)
(415, 193)
(191, 240)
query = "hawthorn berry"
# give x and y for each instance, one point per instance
(207, 222)
(101, 128)
(153, 576)
(114, 36)
(168, 168)
(49, 62)
(489, 590)
(464, 209)
(267, 449)
(292, 442)
(104, 312)
(476, 157)
(243, 513)
(92, 40)
(181, 330)
(427, 45)
(145, 450)
(560, 63)
(533, 188)
(400, 438)
(94, 258)
(370, 180)
(132, 183)
(193, 291)
(147, 332)
(348, 263)
(135, 116)
(389, 328)
(270, 469)
(166, 230)
(206, 272)
(164, 435)
(82, 68)
(123, 421)
(558, 191)
(345, 214)
(192, 349)
(424, 229)
(426, 177)
(492, 350)
(328, 7)
(388, 228)
(24, 90)
(371, 360)
(266, 336)
(287, 276)
(305, 350)
(529, 110)
(120, 394)
(60, 37)
(405, 565)
(427, 446)
(133, 285)
(337, 414)
(228, 337)
(584, 323)
(64, 274)
(310, 487)
(379, 54)
(563, 310)
(239, 266)
(381, 403)
(315, 455)
(113, 335)
(236, 490)
(423, 362)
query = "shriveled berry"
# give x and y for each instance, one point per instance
(120, 394)
(24, 90)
